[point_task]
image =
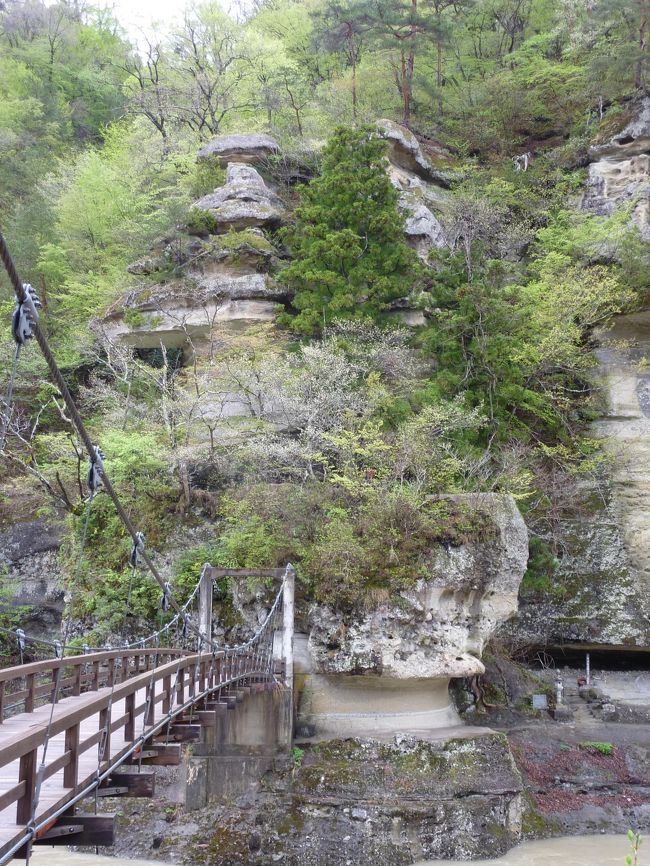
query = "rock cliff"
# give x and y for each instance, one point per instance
(619, 169)
(601, 590)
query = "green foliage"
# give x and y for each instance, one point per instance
(350, 548)
(297, 754)
(493, 392)
(349, 256)
(187, 570)
(107, 210)
(138, 469)
(602, 748)
(635, 839)
(201, 222)
(11, 615)
(520, 349)
(539, 578)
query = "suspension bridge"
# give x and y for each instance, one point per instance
(69, 723)
(75, 725)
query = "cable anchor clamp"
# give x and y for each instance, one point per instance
(25, 316)
(95, 470)
(165, 601)
(137, 550)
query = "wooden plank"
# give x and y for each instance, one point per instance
(185, 733)
(70, 772)
(168, 755)
(58, 764)
(142, 784)
(245, 572)
(26, 775)
(84, 830)
(114, 791)
(12, 795)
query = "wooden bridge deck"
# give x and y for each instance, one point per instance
(141, 704)
(54, 791)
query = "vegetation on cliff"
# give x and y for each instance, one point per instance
(354, 425)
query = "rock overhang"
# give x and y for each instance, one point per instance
(440, 625)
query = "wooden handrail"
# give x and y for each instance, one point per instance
(66, 716)
(19, 671)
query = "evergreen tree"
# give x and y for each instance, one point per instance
(349, 256)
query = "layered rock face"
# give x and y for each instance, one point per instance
(619, 172)
(603, 582)
(421, 187)
(397, 802)
(602, 588)
(29, 553)
(389, 669)
(215, 280)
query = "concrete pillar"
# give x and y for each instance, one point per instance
(205, 604)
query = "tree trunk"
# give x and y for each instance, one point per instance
(643, 23)
(439, 74)
(354, 91)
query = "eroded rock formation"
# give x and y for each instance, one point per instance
(601, 591)
(245, 148)
(245, 200)
(420, 186)
(213, 280)
(619, 172)
(388, 669)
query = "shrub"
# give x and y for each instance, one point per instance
(592, 746)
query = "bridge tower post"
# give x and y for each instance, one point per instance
(205, 603)
(288, 604)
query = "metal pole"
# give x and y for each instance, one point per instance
(588, 667)
(288, 596)
(205, 604)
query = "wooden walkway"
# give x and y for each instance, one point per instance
(133, 696)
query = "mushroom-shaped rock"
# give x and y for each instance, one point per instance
(244, 201)
(249, 148)
(386, 668)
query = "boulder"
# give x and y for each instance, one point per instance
(404, 148)
(247, 148)
(244, 201)
(422, 229)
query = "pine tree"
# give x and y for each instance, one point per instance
(350, 258)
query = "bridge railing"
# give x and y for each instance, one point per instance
(175, 684)
(25, 687)
(171, 681)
